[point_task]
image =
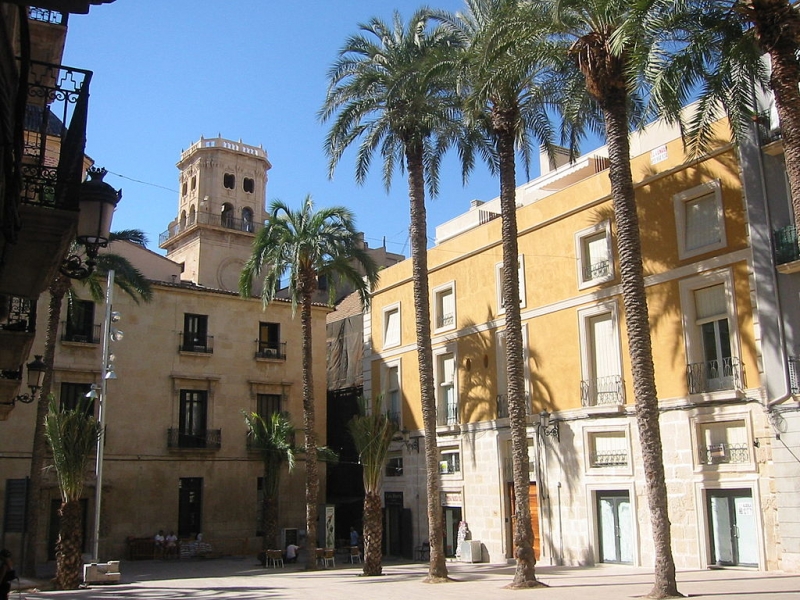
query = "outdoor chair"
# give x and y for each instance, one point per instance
(355, 555)
(321, 556)
(328, 558)
(275, 558)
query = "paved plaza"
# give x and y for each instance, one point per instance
(244, 578)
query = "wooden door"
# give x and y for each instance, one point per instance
(533, 500)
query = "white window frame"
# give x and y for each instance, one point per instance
(441, 419)
(590, 434)
(444, 450)
(438, 293)
(498, 272)
(580, 252)
(692, 337)
(385, 369)
(681, 200)
(387, 312)
(584, 316)
(500, 365)
(708, 419)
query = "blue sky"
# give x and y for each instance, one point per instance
(168, 71)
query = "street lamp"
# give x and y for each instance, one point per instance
(410, 444)
(36, 372)
(546, 427)
(96, 208)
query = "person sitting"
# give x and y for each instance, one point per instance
(158, 544)
(291, 552)
(171, 545)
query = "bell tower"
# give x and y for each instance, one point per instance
(221, 206)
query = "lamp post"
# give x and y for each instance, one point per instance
(36, 372)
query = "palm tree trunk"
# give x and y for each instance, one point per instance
(69, 561)
(639, 343)
(58, 289)
(773, 20)
(270, 523)
(525, 572)
(309, 423)
(373, 534)
(437, 570)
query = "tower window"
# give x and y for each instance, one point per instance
(183, 189)
(194, 182)
(248, 185)
(229, 181)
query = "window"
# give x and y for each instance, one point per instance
(247, 220)
(229, 180)
(447, 405)
(450, 462)
(508, 460)
(269, 341)
(183, 189)
(700, 220)
(73, 393)
(723, 443)
(248, 185)
(267, 405)
(502, 373)
(80, 323)
(601, 383)
(593, 249)
(194, 182)
(608, 449)
(227, 218)
(444, 307)
(391, 326)
(394, 466)
(501, 303)
(392, 398)
(192, 426)
(195, 334)
(710, 332)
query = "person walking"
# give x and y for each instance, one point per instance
(7, 573)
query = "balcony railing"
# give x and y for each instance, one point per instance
(717, 454)
(596, 270)
(445, 320)
(609, 458)
(450, 413)
(209, 439)
(274, 350)
(85, 335)
(54, 135)
(714, 375)
(21, 315)
(794, 374)
(214, 220)
(193, 343)
(785, 244)
(603, 391)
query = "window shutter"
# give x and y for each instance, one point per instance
(702, 222)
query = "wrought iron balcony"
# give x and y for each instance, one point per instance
(450, 416)
(794, 374)
(603, 391)
(785, 245)
(445, 320)
(209, 439)
(714, 375)
(609, 458)
(717, 454)
(21, 315)
(596, 270)
(195, 343)
(274, 350)
(82, 335)
(214, 220)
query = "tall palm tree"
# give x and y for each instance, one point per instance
(273, 438)
(132, 282)
(305, 245)
(505, 98)
(372, 432)
(392, 87)
(72, 434)
(601, 92)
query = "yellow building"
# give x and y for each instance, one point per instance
(176, 452)
(588, 495)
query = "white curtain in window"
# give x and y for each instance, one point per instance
(702, 222)
(605, 357)
(710, 302)
(729, 432)
(448, 304)
(610, 442)
(597, 249)
(392, 335)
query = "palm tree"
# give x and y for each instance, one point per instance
(504, 97)
(600, 91)
(131, 281)
(273, 438)
(306, 245)
(72, 434)
(393, 87)
(372, 432)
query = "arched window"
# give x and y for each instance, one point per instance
(248, 185)
(227, 215)
(194, 182)
(191, 215)
(183, 220)
(229, 180)
(183, 189)
(247, 220)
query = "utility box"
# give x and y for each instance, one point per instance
(471, 551)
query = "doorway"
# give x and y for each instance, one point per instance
(614, 527)
(452, 517)
(533, 504)
(190, 506)
(732, 527)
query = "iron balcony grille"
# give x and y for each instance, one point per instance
(54, 135)
(794, 374)
(716, 454)
(596, 270)
(275, 350)
(199, 344)
(603, 391)
(13, 375)
(203, 218)
(609, 458)
(785, 245)
(209, 439)
(21, 315)
(84, 335)
(714, 375)
(445, 320)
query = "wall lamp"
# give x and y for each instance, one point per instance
(547, 428)
(96, 208)
(36, 372)
(409, 442)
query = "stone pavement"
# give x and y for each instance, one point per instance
(244, 579)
